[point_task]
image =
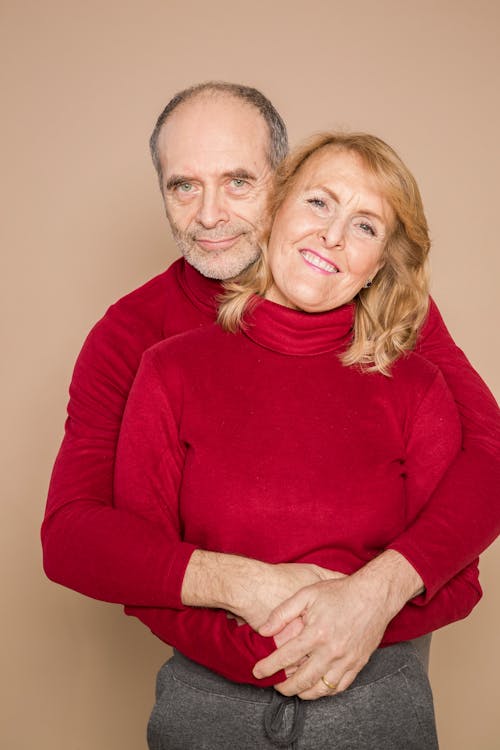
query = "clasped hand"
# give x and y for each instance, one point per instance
(327, 629)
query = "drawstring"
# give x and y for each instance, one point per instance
(274, 718)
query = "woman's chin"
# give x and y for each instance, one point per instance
(313, 304)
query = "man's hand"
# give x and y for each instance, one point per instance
(248, 588)
(275, 585)
(343, 623)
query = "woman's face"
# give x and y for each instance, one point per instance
(328, 236)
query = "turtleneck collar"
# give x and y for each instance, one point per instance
(298, 333)
(273, 326)
(201, 291)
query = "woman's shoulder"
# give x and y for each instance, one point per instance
(189, 346)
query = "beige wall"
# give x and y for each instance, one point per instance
(82, 223)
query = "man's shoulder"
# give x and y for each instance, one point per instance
(415, 379)
(413, 369)
(434, 335)
(150, 300)
(141, 313)
(131, 325)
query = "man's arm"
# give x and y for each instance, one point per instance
(463, 515)
(248, 588)
(90, 546)
(346, 620)
(229, 583)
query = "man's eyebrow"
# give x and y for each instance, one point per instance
(240, 174)
(175, 180)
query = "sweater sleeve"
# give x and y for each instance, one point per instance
(434, 439)
(149, 467)
(463, 515)
(89, 545)
(148, 470)
(209, 638)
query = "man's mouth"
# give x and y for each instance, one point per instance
(317, 261)
(222, 243)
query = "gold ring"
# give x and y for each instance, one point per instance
(329, 685)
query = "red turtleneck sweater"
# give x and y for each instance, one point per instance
(114, 555)
(263, 444)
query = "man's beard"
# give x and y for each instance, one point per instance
(219, 264)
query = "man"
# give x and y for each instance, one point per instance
(215, 148)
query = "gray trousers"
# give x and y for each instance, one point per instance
(388, 707)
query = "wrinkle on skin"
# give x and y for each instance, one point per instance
(336, 211)
(214, 152)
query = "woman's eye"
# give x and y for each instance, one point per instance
(367, 228)
(317, 202)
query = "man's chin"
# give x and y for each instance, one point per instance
(221, 266)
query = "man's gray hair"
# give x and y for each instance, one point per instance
(278, 138)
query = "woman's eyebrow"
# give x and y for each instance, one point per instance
(335, 197)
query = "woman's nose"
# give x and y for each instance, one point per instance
(333, 234)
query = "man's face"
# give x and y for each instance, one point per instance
(216, 182)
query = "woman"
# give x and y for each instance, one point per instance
(301, 429)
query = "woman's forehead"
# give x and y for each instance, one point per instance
(332, 163)
(343, 173)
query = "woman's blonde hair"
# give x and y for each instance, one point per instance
(389, 312)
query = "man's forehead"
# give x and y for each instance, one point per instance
(219, 134)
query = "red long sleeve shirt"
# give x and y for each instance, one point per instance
(114, 555)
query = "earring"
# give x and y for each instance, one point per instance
(368, 284)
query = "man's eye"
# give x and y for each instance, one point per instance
(185, 187)
(238, 182)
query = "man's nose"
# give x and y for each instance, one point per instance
(212, 209)
(333, 233)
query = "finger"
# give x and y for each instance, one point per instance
(290, 631)
(283, 614)
(290, 653)
(304, 679)
(319, 690)
(347, 679)
(327, 685)
(289, 671)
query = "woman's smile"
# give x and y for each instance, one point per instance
(329, 234)
(314, 259)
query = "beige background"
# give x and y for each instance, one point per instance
(82, 224)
